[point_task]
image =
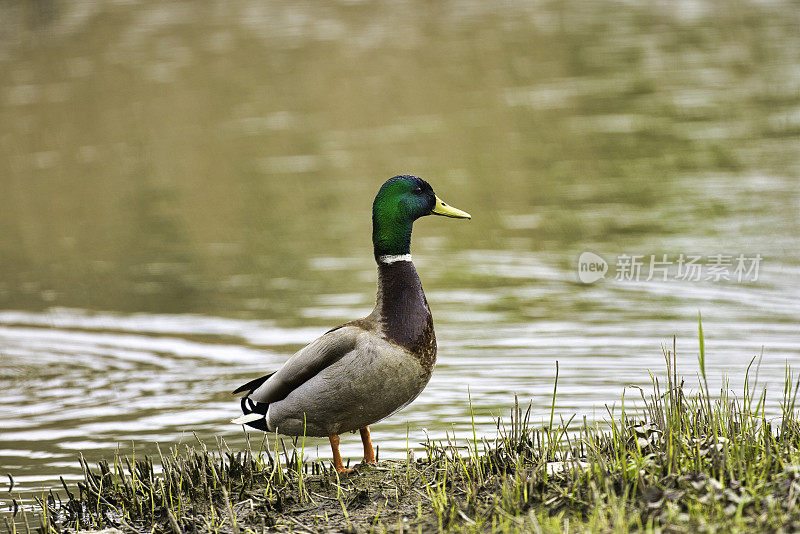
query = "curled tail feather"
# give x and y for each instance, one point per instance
(255, 413)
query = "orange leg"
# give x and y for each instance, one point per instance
(369, 453)
(337, 458)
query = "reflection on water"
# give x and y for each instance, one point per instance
(186, 192)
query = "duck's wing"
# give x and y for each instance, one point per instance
(306, 363)
(246, 389)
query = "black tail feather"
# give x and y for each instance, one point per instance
(250, 406)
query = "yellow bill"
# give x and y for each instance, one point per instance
(449, 211)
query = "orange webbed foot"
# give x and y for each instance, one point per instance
(369, 452)
(337, 458)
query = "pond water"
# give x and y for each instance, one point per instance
(186, 191)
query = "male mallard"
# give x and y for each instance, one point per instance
(367, 369)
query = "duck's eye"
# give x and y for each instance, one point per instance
(417, 190)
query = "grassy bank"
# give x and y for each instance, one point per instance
(670, 461)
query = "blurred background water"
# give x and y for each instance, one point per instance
(185, 194)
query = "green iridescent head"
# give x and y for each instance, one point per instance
(401, 201)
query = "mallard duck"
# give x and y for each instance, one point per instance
(365, 370)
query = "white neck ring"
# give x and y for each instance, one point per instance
(393, 258)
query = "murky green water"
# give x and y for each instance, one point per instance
(186, 189)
